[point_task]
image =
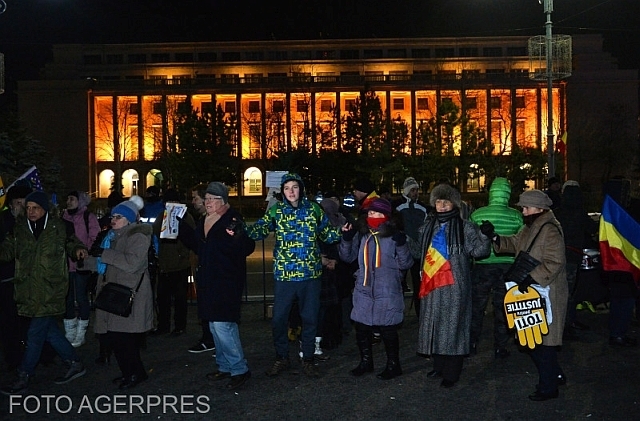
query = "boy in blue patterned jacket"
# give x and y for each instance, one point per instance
(298, 224)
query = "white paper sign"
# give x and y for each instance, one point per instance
(170, 222)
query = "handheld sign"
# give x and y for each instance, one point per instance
(525, 312)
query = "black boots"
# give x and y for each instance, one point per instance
(363, 339)
(392, 348)
(105, 353)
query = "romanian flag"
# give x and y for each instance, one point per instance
(436, 269)
(619, 239)
(561, 144)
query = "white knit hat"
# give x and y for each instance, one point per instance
(409, 183)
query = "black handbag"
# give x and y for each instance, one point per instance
(524, 263)
(117, 299)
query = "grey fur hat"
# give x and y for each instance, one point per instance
(535, 198)
(445, 192)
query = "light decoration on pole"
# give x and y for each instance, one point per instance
(549, 59)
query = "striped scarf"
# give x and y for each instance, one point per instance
(377, 259)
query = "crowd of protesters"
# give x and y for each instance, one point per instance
(338, 265)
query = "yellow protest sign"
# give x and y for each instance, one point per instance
(525, 312)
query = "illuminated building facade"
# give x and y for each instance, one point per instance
(102, 106)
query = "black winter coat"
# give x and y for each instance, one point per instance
(222, 267)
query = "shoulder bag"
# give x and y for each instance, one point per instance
(117, 299)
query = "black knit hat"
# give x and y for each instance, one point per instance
(364, 185)
(40, 198)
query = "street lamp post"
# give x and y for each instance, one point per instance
(548, 8)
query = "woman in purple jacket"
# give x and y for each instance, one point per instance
(382, 253)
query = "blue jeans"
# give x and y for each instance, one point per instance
(284, 294)
(43, 329)
(229, 354)
(78, 293)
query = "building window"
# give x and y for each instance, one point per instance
(229, 107)
(207, 57)
(180, 79)
(255, 132)
(370, 54)
(301, 55)
(160, 58)
(158, 107)
(254, 106)
(395, 75)
(230, 78)
(349, 54)
(471, 103)
(519, 102)
(183, 107)
(423, 104)
(350, 105)
(325, 105)
(517, 51)
(492, 51)
(445, 52)
(420, 53)
(496, 102)
(468, 52)
(205, 76)
(252, 77)
(254, 56)
(115, 59)
(302, 106)
(398, 104)
(325, 54)
(277, 55)
(137, 58)
(374, 76)
(134, 108)
(470, 74)
(184, 57)
(446, 74)
(301, 76)
(397, 53)
(230, 56)
(446, 100)
(277, 106)
(208, 108)
(92, 59)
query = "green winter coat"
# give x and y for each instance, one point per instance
(42, 280)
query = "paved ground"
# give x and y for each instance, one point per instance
(602, 384)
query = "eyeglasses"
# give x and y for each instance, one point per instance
(212, 198)
(117, 217)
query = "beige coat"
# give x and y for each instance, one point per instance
(548, 249)
(126, 261)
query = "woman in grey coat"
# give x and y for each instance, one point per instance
(382, 253)
(126, 260)
(447, 246)
(548, 248)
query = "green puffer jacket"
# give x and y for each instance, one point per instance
(42, 279)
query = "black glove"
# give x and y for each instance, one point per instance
(523, 286)
(348, 235)
(400, 238)
(236, 226)
(488, 229)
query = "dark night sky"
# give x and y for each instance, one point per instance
(29, 27)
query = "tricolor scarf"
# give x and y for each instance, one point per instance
(436, 268)
(377, 257)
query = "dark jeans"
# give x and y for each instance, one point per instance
(546, 360)
(308, 295)
(572, 273)
(78, 297)
(126, 348)
(43, 329)
(173, 286)
(488, 281)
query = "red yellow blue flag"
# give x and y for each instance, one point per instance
(619, 239)
(436, 269)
